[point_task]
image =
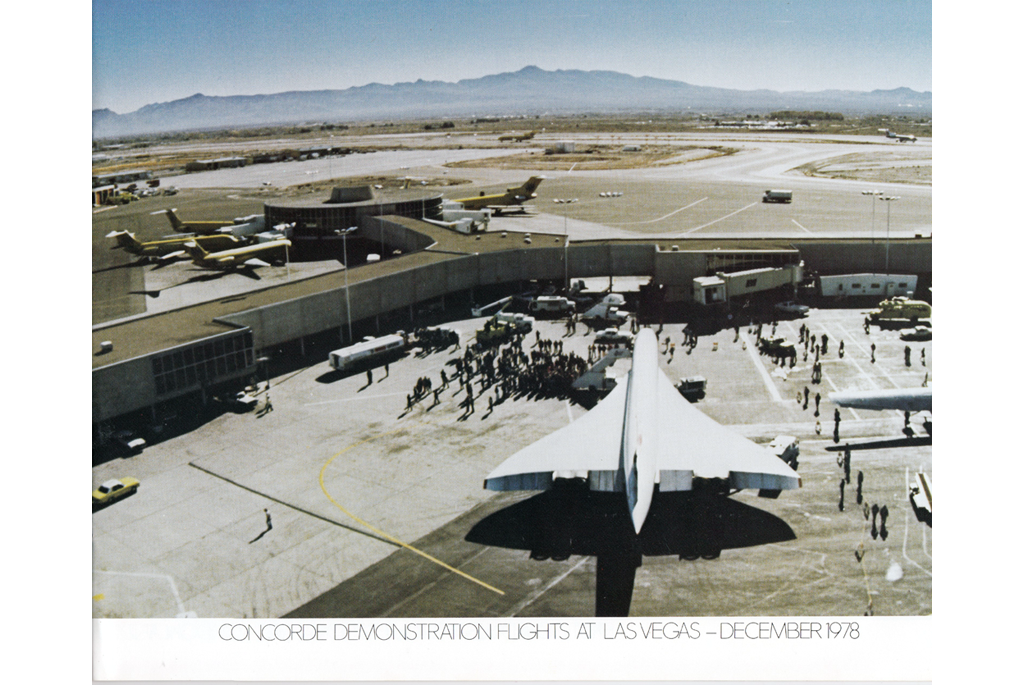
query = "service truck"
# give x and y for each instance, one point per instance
(900, 308)
(777, 196)
(553, 305)
(369, 351)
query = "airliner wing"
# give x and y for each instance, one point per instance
(590, 443)
(255, 261)
(692, 444)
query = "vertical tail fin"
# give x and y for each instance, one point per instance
(195, 250)
(531, 185)
(175, 222)
(126, 240)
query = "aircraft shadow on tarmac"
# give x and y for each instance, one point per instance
(570, 519)
(919, 441)
(202, 278)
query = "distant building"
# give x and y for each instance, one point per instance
(219, 163)
(121, 177)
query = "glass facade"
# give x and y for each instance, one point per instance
(204, 363)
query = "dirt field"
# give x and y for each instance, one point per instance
(602, 157)
(884, 166)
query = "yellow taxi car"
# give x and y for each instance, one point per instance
(114, 489)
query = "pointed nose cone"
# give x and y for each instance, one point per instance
(639, 515)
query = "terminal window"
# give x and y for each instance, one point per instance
(204, 363)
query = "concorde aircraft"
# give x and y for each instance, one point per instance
(512, 197)
(242, 256)
(642, 435)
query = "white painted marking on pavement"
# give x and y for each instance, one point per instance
(798, 224)
(169, 579)
(532, 597)
(660, 218)
(760, 368)
(723, 218)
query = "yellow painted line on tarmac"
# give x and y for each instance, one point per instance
(98, 597)
(380, 532)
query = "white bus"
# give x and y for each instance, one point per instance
(368, 351)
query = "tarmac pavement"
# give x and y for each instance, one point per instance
(190, 539)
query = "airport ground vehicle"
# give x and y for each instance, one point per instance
(899, 308)
(494, 331)
(786, 448)
(777, 196)
(791, 307)
(916, 333)
(777, 347)
(239, 402)
(612, 336)
(553, 305)
(521, 323)
(130, 441)
(369, 351)
(114, 489)
(693, 388)
(921, 499)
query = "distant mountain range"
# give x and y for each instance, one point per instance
(530, 90)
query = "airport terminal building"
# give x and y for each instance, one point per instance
(144, 362)
(316, 224)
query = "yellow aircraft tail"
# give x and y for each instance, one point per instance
(126, 240)
(195, 250)
(175, 222)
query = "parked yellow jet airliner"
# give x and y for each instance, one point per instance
(513, 197)
(170, 248)
(201, 227)
(242, 256)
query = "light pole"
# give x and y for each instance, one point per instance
(343, 232)
(888, 207)
(873, 194)
(266, 368)
(565, 245)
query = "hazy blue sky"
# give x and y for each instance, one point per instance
(147, 51)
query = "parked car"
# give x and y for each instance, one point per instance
(239, 402)
(794, 308)
(612, 336)
(130, 441)
(114, 489)
(916, 333)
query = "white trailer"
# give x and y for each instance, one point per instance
(368, 351)
(855, 285)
